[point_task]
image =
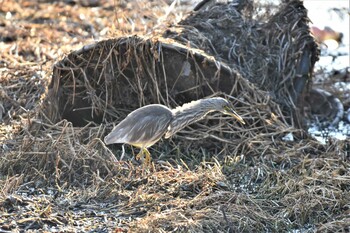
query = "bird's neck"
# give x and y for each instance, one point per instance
(184, 116)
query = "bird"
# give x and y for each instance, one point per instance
(145, 126)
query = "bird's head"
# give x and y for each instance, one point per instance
(225, 107)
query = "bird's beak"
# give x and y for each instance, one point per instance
(231, 112)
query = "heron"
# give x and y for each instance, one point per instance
(145, 126)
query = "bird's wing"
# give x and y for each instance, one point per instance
(141, 127)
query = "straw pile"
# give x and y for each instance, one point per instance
(215, 176)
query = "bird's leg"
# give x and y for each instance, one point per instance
(145, 152)
(147, 156)
(140, 154)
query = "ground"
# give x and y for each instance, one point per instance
(55, 177)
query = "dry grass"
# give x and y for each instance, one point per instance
(215, 176)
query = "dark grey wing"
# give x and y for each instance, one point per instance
(202, 4)
(144, 126)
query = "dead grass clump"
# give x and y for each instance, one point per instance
(106, 80)
(270, 45)
(59, 156)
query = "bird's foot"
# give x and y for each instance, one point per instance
(139, 155)
(147, 160)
